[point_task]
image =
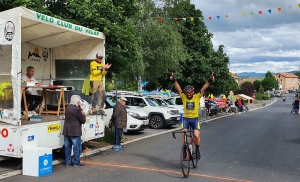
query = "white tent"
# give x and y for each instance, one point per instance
(244, 97)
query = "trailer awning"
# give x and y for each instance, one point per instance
(49, 32)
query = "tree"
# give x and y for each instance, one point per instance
(261, 95)
(257, 84)
(161, 45)
(247, 89)
(269, 82)
(246, 83)
(297, 73)
(202, 60)
(230, 85)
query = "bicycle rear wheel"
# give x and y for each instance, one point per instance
(194, 157)
(185, 157)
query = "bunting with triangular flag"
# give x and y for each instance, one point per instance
(260, 12)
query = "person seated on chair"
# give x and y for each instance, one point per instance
(33, 100)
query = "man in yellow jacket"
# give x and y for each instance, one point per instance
(98, 70)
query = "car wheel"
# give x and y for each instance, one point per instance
(156, 122)
(223, 109)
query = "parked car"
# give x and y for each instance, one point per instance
(137, 120)
(220, 103)
(176, 100)
(159, 116)
(167, 103)
(214, 106)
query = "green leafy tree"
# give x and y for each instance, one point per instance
(261, 95)
(269, 82)
(202, 59)
(298, 73)
(257, 84)
(230, 85)
(161, 43)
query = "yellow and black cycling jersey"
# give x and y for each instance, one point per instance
(191, 106)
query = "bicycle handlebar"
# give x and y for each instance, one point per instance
(173, 132)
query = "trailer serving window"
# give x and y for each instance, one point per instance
(73, 73)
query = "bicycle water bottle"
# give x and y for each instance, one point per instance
(191, 141)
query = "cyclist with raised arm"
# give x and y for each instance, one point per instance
(191, 102)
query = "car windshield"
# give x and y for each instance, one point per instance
(111, 100)
(152, 102)
(169, 102)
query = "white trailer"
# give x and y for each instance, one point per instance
(29, 38)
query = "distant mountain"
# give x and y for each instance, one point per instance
(250, 75)
(293, 72)
(256, 75)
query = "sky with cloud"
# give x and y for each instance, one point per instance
(259, 42)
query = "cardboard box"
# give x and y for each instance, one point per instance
(37, 161)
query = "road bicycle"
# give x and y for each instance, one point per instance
(188, 152)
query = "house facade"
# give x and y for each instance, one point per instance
(236, 78)
(287, 81)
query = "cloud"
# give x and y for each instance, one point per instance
(259, 42)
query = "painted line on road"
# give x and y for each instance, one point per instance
(165, 171)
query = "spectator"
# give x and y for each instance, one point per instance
(33, 100)
(119, 119)
(72, 131)
(240, 104)
(295, 106)
(227, 105)
(97, 72)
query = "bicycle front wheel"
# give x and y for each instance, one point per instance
(185, 159)
(194, 157)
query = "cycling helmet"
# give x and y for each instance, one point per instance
(189, 89)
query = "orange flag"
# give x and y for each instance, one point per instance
(279, 9)
(226, 16)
